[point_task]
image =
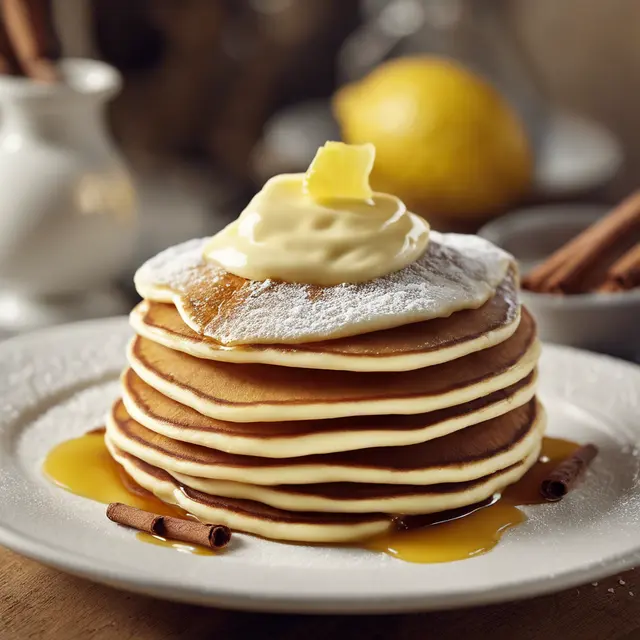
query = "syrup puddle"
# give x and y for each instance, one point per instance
(466, 536)
(465, 533)
(84, 467)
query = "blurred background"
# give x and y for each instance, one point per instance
(219, 95)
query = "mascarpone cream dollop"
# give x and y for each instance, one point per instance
(293, 233)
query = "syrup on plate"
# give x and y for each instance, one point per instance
(465, 533)
(84, 466)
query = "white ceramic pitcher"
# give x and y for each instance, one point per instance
(67, 206)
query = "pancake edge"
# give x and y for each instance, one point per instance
(301, 359)
(318, 443)
(318, 473)
(284, 531)
(411, 504)
(273, 412)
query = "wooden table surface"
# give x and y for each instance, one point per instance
(39, 603)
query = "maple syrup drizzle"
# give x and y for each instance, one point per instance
(477, 529)
(84, 467)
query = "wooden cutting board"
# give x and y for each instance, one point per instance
(38, 603)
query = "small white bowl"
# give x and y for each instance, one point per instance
(605, 322)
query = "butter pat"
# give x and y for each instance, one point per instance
(340, 171)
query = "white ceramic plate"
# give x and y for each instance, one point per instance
(58, 384)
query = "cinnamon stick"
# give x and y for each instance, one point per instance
(565, 476)
(214, 536)
(30, 32)
(609, 286)
(564, 268)
(626, 270)
(132, 517)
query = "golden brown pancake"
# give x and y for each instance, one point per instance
(299, 438)
(333, 499)
(250, 516)
(459, 457)
(250, 393)
(352, 497)
(455, 272)
(411, 346)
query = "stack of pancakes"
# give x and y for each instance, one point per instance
(328, 441)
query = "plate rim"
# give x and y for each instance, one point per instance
(282, 602)
(289, 601)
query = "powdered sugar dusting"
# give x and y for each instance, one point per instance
(173, 268)
(456, 272)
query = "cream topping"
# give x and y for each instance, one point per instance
(319, 228)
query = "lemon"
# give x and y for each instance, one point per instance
(340, 171)
(446, 142)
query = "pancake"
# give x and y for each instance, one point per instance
(344, 497)
(256, 392)
(459, 457)
(411, 346)
(253, 517)
(455, 272)
(355, 498)
(299, 438)
(288, 439)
